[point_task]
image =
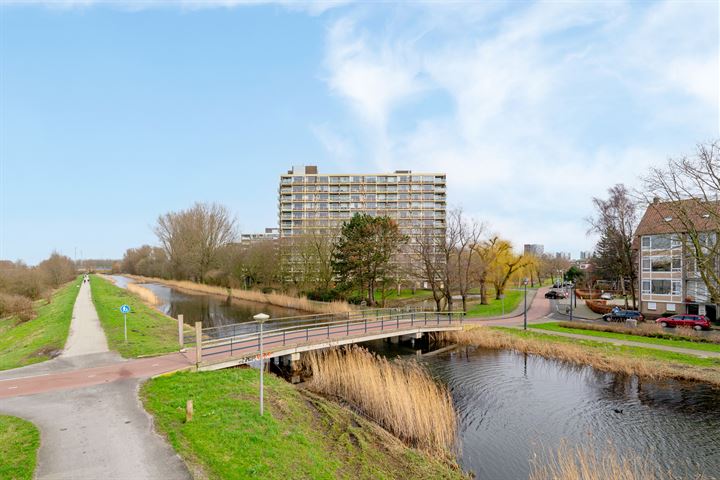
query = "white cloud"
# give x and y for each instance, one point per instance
(524, 133)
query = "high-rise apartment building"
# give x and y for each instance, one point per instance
(534, 249)
(310, 202)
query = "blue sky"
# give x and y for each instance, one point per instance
(112, 113)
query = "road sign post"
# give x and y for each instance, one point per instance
(125, 309)
(261, 318)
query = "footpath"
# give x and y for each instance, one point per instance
(85, 403)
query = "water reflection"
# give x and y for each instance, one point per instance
(511, 406)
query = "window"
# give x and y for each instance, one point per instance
(661, 287)
(646, 264)
(661, 264)
(676, 264)
(646, 286)
(670, 307)
(676, 287)
(652, 306)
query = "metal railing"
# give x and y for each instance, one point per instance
(290, 334)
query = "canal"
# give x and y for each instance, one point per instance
(513, 406)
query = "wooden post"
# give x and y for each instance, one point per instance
(181, 330)
(198, 343)
(188, 411)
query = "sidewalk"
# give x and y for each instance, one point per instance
(629, 343)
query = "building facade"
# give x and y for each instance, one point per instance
(313, 203)
(669, 280)
(271, 233)
(533, 249)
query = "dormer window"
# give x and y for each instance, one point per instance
(667, 219)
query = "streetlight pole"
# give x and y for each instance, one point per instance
(525, 282)
(572, 289)
(261, 318)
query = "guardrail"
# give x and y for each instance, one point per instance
(248, 343)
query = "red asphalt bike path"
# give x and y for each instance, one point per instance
(153, 366)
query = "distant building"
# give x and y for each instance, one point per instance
(533, 249)
(271, 233)
(669, 277)
(563, 255)
(586, 255)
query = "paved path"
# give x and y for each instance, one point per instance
(630, 343)
(86, 406)
(86, 335)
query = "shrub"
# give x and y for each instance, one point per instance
(324, 295)
(16, 305)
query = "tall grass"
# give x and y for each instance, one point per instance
(400, 396)
(644, 330)
(145, 294)
(585, 462)
(578, 354)
(277, 299)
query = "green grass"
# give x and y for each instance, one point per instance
(708, 347)
(41, 338)
(301, 436)
(494, 308)
(19, 441)
(639, 352)
(149, 331)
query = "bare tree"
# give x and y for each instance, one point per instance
(466, 234)
(430, 267)
(687, 190)
(615, 221)
(192, 238)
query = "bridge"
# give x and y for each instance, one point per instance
(286, 338)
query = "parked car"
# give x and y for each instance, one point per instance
(698, 322)
(606, 296)
(622, 315)
(556, 294)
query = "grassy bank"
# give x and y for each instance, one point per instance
(149, 331)
(494, 307)
(39, 339)
(19, 441)
(277, 299)
(300, 436)
(643, 336)
(643, 362)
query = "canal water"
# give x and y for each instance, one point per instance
(212, 310)
(512, 406)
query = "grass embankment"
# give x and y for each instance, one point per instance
(642, 334)
(149, 331)
(300, 436)
(277, 299)
(39, 339)
(643, 362)
(19, 442)
(401, 396)
(495, 307)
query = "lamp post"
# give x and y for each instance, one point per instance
(572, 289)
(525, 282)
(261, 318)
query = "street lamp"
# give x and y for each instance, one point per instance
(525, 282)
(261, 318)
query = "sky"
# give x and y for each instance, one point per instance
(112, 113)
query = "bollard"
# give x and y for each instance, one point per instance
(181, 330)
(188, 411)
(198, 343)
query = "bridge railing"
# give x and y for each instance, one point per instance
(248, 344)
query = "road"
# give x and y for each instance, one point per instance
(86, 405)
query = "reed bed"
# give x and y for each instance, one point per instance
(277, 299)
(145, 294)
(645, 330)
(585, 462)
(583, 355)
(400, 395)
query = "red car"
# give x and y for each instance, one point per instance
(698, 322)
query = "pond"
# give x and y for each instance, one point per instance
(511, 406)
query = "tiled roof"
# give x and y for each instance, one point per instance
(662, 217)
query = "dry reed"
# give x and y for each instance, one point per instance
(145, 294)
(579, 354)
(277, 299)
(585, 462)
(400, 396)
(645, 330)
